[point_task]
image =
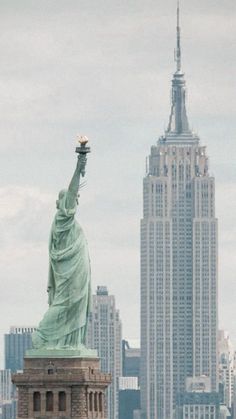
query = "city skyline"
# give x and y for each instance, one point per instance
(33, 91)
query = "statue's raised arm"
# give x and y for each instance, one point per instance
(68, 198)
(75, 181)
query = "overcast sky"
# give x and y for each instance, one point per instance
(103, 68)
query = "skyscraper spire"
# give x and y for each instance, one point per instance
(178, 49)
(178, 122)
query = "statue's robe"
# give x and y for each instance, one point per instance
(69, 286)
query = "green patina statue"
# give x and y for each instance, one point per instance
(69, 287)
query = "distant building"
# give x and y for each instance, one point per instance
(234, 396)
(129, 391)
(16, 342)
(104, 334)
(198, 401)
(130, 360)
(8, 409)
(129, 397)
(5, 385)
(128, 383)
(198, 384)
(226, 368)
(7, 400)
(198, 405)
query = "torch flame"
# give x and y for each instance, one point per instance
(82, 139)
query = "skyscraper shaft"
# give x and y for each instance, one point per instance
(178, 263)
(104, 334)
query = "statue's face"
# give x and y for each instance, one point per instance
(60, 197)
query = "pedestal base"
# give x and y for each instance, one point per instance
(63, 387)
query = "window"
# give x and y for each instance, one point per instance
(96, 402)
(62, 401)
(50, 371)
(49, 401)
(90, 402)
(37, 401)
(100, 402)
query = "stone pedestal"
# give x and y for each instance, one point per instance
(60, 387)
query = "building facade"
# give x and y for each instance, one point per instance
(130, 360)
(179, 318)
(5, 385)
(104, 334)
(226, 368)
(198, 405)
(8, 410)
(198, 401)
(129, 397)
(16, 342)
(7, 399)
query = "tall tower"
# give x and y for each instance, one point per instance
(104, 335)
(178, 262)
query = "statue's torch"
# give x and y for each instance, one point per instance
(82, 151)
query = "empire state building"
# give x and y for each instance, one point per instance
(179, 319)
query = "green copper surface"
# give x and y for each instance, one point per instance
(64, 325)
(80, 352)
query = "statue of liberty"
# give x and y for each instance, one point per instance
(69, 288)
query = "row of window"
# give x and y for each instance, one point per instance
(95, 401)
(49, 401)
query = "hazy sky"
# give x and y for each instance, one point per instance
(103, 68)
